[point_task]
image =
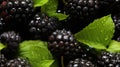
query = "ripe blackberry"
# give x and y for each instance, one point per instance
(18, 62)
(62, 42)
(42, 26)
(80, 63)
(11, 40)
(16, 9)
(2, 60)
(81, 13)
(82, 8)
(17, 14)
(108, 59)
(10, 36)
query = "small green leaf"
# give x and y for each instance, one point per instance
(114, 46)
(38, 3)
(97, 34)
(60, 16)
(51, 10)
(46, 63)
(2, 46)
(36, 51)
(50, 7)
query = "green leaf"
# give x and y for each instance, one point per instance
(60, 16)
(114, 46)
(50, 7)
(97, 34)
(51, 10)
(36, 51)
(46, 63)
(38, 3)
(2, 46)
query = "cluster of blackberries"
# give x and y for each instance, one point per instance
(83, 12)
(105, 59)
(62, 44)
(20, 21)
(22, 17)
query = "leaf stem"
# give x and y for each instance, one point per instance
(62, 61)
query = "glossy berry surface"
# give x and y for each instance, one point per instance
(17, 62)
(42, 26)
(109, 59)
(80, 63)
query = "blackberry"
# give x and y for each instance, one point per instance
(17, 9)
(81, 13)
(18, 62)
(62, 42)
(2, 60)
(108, 59)
(16, 15)
(82, 8)
(11, 40)
(42, 26)
(80, 63)
(10, 36)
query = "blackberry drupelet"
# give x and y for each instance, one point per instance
(2, 60)
(82, 8)
(108, 59)
(11, 40)
(80, 63)
(2, 25)
(42, 26)
(18, 62)
(60, 8)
